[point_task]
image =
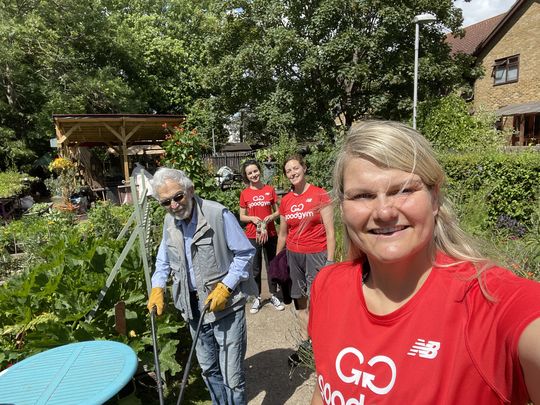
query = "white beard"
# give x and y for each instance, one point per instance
(184, 214)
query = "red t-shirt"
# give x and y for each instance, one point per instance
(258, 203)
(446, 345)
(305, 229)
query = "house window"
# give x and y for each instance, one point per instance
(506, 70)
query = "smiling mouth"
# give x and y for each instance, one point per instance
(387, 231)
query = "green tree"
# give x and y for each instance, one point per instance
(95, 56)
(293, 66)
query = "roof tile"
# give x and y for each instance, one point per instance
(474, 35)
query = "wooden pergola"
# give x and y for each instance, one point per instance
(113, 130)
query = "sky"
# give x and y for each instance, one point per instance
(478, 10)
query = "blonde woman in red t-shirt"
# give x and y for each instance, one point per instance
(258, 208)
(416, 315)
(307, 231)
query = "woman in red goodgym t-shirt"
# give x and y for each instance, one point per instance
(258, 207)
(306, 229)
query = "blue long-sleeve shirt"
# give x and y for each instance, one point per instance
(236, 240)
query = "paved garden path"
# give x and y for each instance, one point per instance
(272, 337)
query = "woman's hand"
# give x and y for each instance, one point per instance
(262, 233)
(262, 238)
(255, 220)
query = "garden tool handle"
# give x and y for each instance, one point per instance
(188, 363)
(156, 354)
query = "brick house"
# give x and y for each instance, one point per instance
(507, 47)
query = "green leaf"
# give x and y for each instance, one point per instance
(167, 357)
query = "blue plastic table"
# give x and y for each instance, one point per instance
(81, 373)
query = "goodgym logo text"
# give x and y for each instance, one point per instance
(298, 212)
(258, 201)
(360, 372)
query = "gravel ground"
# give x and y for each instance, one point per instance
(272, 337)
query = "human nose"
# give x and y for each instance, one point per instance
(385, 209)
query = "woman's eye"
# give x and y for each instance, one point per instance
(362, 196)
(402, 191)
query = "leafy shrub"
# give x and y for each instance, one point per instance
(285, 147)
(30, 234)
(519, 254)
(38, 208)
(13, 183)
(506, 184)
(15, 151)
(45, 305)
(106, 220)
(449, 126)
(320, 162)
(184, 149)
(10, 264)
(230, 197)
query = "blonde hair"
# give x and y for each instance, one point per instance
(394, 145)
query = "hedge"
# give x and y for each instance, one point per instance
(508, 184)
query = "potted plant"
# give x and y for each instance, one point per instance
(64, 181)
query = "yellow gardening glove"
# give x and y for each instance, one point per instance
(157, 299)
(218, 297)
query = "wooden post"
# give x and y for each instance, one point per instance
(125, 162)
(522, 130)
(120, 318)
(125, 151)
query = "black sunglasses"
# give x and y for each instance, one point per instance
(176, 198)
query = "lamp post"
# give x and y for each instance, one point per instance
(417, 20)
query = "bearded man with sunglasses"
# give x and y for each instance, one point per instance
(208, 256)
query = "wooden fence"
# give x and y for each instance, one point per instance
(230, 159)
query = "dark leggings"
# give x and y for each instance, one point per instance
(270, 248)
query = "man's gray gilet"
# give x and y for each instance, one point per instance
(211, 259)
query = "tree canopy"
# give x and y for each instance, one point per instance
(281, 67)
(294, 66)
(95, 56)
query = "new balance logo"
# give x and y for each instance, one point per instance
(427, 350)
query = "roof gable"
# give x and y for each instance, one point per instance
(507, 18)
(474, 35)
(113, 129)
(478, 36)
